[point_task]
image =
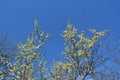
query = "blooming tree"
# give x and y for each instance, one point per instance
(84, 56)
(23, 67)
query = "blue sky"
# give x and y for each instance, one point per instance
(17, 18)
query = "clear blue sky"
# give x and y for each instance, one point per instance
(17, 18)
